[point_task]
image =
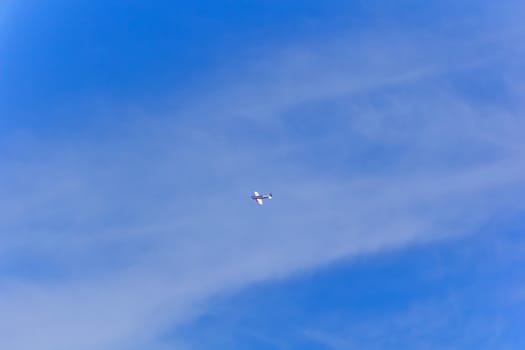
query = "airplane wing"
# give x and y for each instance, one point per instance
(259, 201)
(256, 193)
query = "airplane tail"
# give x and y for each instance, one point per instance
(270, 196)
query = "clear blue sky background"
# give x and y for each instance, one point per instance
(390, 133)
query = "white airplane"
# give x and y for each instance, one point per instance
(259, 197)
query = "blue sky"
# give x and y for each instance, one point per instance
(390, 133)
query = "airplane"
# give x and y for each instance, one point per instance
(259, 197)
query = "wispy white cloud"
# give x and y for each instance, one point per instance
(140, 231)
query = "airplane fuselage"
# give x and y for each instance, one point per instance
(261, 197)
